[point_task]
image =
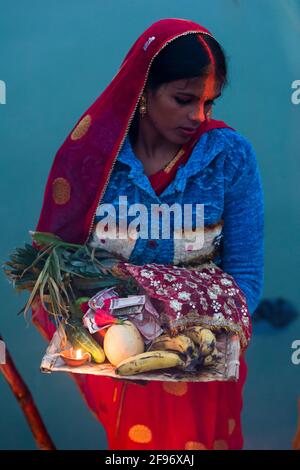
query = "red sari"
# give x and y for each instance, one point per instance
(158, 415)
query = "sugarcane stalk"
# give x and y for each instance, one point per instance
(26, 402)
(296, 440)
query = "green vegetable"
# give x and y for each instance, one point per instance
(79, 337)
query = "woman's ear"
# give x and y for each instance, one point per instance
(149, 93)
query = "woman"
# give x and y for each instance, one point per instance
(150, 137)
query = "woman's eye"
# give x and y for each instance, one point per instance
(179, 101)
(183, 102)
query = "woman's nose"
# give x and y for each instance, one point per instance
(197, 114)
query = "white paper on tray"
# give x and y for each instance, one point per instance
(226, 369)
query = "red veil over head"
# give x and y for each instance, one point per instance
(83, 164)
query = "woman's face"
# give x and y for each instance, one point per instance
(180, 104)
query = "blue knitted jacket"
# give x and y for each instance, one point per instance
(221, 173)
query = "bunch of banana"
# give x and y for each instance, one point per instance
(197, 364)
(203, 337)
(148, 361)
(180, 343)
(211, 359)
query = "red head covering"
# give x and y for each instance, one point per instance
(83, 164)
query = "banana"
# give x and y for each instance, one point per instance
(211, 359)
(208, 361)
(180, 343)
(147, 361)
(204, 337)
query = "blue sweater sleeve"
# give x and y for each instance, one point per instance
(243, 232)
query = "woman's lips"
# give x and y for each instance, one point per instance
(187, 132)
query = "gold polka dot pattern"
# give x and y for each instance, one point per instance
(140, 433)
(175, 388)
(81, 128)
(194, 445)
(231, 426)
(220, 445)
(61, 191)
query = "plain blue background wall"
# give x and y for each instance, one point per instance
(55, 59)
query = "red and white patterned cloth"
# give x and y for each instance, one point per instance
(200, 295)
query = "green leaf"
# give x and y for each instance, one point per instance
(24, 284)
(77, 263)
(59, 307)
(42, 254)
(55, 307)
(41, 289)
(81, 300)
(56, 266)
(36, 287)
(76, 311)
(65, 292)
(31, 249)
(90, 284)
(45, 238)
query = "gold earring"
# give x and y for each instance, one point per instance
(143, 108)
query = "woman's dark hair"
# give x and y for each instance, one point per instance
(186, 57)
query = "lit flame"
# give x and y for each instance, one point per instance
(78, 354)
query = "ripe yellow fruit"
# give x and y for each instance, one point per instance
(122, 341)
(148, 361)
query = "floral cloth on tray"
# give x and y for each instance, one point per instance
(200, 295)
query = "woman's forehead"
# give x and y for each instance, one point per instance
(197, 86)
